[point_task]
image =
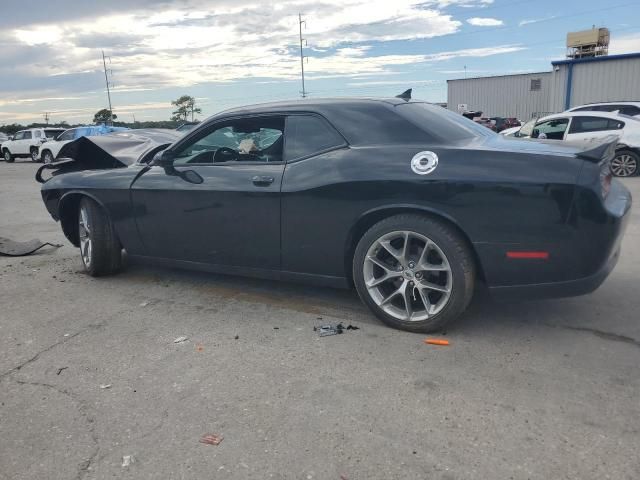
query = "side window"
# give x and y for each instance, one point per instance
(68, 135)
(593, 124)
(253, 139)
(37, 134)
(308, 134)
(18, 136)
(615, 125)
(551, 129)
(630, 110)
(27, 135)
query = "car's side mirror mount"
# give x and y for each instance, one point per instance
(163, 159)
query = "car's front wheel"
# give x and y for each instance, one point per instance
(47, 157)
(415, 273)
(99, 246)
(7, 156)
(34, 154)
(625, 163)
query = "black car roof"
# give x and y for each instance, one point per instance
(307, 104)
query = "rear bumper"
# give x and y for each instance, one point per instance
(569, 288)
(605, 238)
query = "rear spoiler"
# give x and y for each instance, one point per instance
(604, 150)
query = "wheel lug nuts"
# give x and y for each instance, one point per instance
(411, 264)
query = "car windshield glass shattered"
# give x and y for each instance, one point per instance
(442, 123)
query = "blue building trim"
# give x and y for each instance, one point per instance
(604, 58)
(567, 92)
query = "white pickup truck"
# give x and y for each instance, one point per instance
(26, 143)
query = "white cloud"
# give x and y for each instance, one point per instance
(484, 22)
(522, 23)
(625, 44)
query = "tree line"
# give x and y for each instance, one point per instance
(185, 110)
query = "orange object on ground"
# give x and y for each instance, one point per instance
(199, 347)
(436, 341)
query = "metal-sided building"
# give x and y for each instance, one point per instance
(571, 82)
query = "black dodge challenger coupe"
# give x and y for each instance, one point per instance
(407, 201)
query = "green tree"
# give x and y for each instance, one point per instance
(185, 106)
(104, 116)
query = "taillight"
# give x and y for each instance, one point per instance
(605, 178)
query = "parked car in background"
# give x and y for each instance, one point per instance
(624, 108)
(585, 127)
(502, 123)
(49, 150)
(485, 122)
(26, 143)
(411, 203)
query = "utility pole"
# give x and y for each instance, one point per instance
(106, 79)
(300, 22)
(46, 117)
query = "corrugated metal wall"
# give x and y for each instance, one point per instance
(507, 96)
(608, 81)
(510, 95)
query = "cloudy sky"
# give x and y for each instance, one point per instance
(234, 52)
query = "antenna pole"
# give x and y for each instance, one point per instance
(106, 79)
(46, 117)
(300, 22)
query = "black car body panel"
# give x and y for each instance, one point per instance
(502, 194)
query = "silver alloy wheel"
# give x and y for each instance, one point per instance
(624, 165)
(407, 275)
(84, 232)
(47, 157)
(34, 155)
(7, 155)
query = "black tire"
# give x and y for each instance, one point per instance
(47, 157)
(33, 152)
(628, 167)
(105, 254)
(7, 156)
(456, 251)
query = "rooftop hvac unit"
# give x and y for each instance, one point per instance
(588, 43)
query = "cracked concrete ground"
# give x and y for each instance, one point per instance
(540, 390)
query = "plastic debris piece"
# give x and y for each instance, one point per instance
(181, 339)
(127, 460)
(61, 369)
(436, 341)
(330, 329)
(352, 327)
(144, 304)
(211, 439)
(105, 386)
(11, 248)
(199, 347)
(236, 337)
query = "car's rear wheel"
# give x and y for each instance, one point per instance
(625, 163)
(415, 273)
(7, 156)
(99, 246)
(34, 154)
(47, 157)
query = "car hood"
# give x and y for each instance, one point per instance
(116, 150)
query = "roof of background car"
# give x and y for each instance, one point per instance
(586, 113)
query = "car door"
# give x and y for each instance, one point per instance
(14, 145)
(585, 130)
(25, 143)
(220, 201)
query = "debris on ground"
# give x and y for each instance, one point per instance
(181, 339)
(211, 439)
(127, 460)
(436, 341)
(61, 369)
(199, 347)
(330, 329)
(236, 337)
(105, 386)
(276, 328)
(144, 304)
(12, 248)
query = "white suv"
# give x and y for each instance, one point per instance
(25, 143)
(623, 108)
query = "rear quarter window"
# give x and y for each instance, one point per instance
(307, 135)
